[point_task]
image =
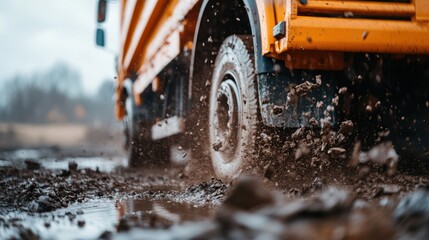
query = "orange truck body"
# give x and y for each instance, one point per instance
(312, 34)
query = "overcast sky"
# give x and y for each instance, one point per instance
(35, 34)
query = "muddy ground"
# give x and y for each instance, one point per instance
(71, 193)
(81, 193)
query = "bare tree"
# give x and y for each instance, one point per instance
(55, 95)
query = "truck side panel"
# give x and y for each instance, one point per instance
(155, 32)
(356, 26)
(151, 39)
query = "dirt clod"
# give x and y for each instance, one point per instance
(32, 165)
(80, 223)
(123, 225)
(248, 194)
(72, 166)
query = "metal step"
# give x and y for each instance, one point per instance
(168, 127)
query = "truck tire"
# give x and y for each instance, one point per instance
(135, 152)
(233, 117)
(133, 143)
(138, 142)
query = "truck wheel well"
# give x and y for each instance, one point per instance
(217, 20)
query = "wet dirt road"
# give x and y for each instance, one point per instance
(54, 193)
(79, 194)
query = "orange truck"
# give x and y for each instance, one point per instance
(215, 74)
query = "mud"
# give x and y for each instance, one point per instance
(48, 197)
(318, 183)
(85, 194)
(331, 214)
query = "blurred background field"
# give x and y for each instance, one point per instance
(16, 135)
(50, 108)
(56, 86)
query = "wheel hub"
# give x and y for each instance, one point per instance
(226, 120)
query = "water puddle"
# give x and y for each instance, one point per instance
(44, 157)
(98, 215)
(4, 163)
(93, 163)
(21, 154)
(90, 219)
(167, 210)
(25, 154)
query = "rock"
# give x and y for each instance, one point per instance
(32, 165)
(383, 154)
(268, 171)
(265, 138)
(332, 200)
(368, 108)
(298, 133)
(336, 151)
(342, 90)
(305, 88)
(81, 223)
(106, 235)
(340, 138)
(249, 194)
(217, 146)
(302, 150)
(346, 128)
(313, 122)
(277, 110)
(28, 234)
(412, 216)
(363, 172)
(71, 216)
(299, 91)
(123, 225)
(72, 166)
(415, 204)
(79, 212)
(212, 191)
(319, 79)
(318, 184)
(44, 204)
(390, 188)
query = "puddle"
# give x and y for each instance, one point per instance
(94, 163)
(17, 159)
(101, 215)
(179, 212)
(21, 154)
(4, 163)
(25, 154)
